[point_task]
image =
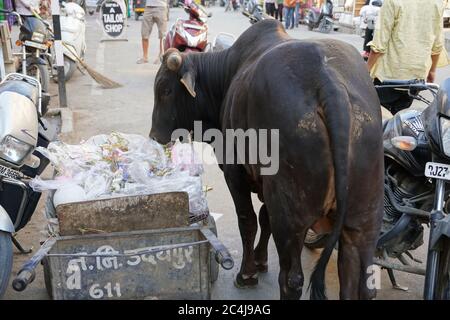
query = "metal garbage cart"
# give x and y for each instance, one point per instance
(140, 247)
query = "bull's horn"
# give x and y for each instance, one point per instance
(174, 61)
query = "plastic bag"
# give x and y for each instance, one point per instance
(119, 164)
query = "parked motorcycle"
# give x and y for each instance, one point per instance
(322, 18)
(417, 166)
(254, 12)
(22, 105)
(190, 34)
(73, 35)
(34, 40)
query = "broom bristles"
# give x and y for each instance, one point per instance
(98, 77)
(101, 79)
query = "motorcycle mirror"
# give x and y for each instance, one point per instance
(377, 3)
(405, 143)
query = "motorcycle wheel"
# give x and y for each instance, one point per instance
(40, 72)
(6, 259)
(136, 16)
(314, 240)
(310, 26)
(443, 278)
(69, 68)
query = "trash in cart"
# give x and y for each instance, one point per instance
(119, 164)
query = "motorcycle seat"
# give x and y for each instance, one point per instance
(21, 87)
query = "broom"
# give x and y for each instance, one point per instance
(99, 78)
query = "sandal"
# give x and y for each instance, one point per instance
(141, 61)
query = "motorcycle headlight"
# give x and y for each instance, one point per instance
(445, 135)
(14, 150)
(38, 37)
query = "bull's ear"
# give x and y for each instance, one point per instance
(188, 80)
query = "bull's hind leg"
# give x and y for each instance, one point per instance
(356, 250)
(261, 248)
(241, 192)
(289, 236)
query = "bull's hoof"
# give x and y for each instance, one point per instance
(262, 267)
(246, 282)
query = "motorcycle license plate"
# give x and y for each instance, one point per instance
(9, 173)
(437, 170)
(35, 45)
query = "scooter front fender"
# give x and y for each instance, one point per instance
(5, 221)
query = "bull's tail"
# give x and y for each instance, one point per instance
(337, 112)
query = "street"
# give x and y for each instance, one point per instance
(128, 109)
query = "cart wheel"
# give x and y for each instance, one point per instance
(47, 277)
(213, 265)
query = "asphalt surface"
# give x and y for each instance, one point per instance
(128, 109)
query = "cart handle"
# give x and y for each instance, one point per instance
(23, 279)
(222, 256)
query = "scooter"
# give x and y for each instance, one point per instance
(321, 18)
(190, 34)
(73, 35)
(417, 169)
(254, 12)
(22, 104)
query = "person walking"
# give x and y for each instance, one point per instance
(407, 44)
(289, 14)
(270, 7)
(369, 14)
(155, 12)
(279, 10)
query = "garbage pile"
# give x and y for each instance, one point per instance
(106, 166)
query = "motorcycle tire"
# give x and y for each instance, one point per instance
(310, 27)
(6, 260)
(44, 76)
(136, 16)
(69, 68)
(443, 278)
(314, 240)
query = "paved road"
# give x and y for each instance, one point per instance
(128, 109)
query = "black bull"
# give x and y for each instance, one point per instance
(320, 97)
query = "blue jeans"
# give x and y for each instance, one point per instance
(297, 14)
(289, 17)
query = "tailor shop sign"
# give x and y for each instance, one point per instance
(113, 18)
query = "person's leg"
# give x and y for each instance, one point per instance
(280, 9)
(277, 12)
(293, 18)
(368, 36)
(296, 13)
(288, 20)
(146, 30)
(161, 22)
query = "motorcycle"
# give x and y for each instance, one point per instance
(35, 41)
(417, 166)
(321, 19)
(190, 34)
(22, 104)
(73, 35)
(254, 12)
